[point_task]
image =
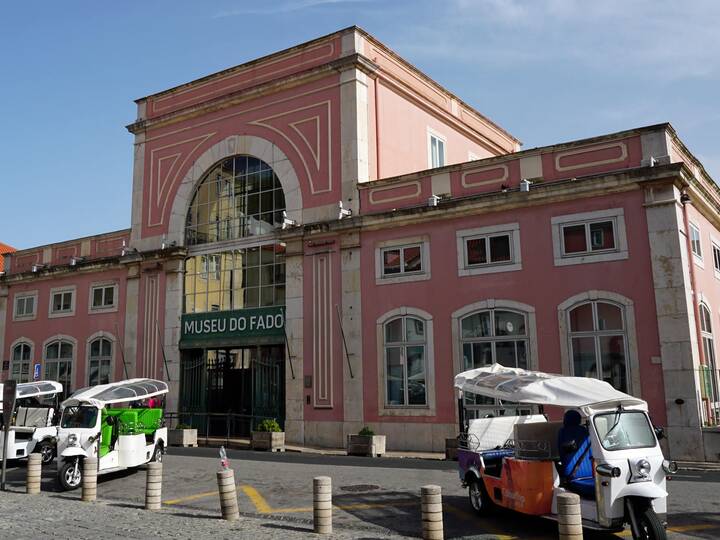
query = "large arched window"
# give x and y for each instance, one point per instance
(598, 342)
(20, 368)
(58, 364)
(241, 196)
(99, 361)
(405, 348)
(708, 345)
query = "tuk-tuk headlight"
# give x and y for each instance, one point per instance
(644, 467)
(72, 439)
(670, 467)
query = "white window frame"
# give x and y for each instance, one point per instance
(715, 248)
(61, 290)
(628, 307)
(620, 252)
(103, 285)
(697, 257)
(432, 134)
(31, 345)
(22, 296)
(403, 277)
(429, 408)
(515, 262)
(113, 347)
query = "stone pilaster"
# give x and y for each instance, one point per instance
(132, 301)
(171, 335)
(352, 330)
(676, 320)
(294, 426)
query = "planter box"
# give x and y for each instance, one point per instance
(268, 440)
(182, 437)
(451, 449)
(366, 445)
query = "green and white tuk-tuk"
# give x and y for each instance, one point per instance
(120, 436)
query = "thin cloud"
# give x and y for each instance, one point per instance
(284, 7)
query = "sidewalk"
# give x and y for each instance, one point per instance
(698, 466)
(244, 444)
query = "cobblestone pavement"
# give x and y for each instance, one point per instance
(55, 516)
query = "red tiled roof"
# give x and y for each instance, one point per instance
(4, 248)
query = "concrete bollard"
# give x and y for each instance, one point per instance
(153, 486)
(228, 495)
(569, 517)
(34, 473)
(89, 479)
(432, 517)
(322, 504)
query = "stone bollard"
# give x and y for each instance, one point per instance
(569, 518)
(322, 504)
(228, 495)
(153, 486)
(34, 473)
(432, 517)
(89, 479)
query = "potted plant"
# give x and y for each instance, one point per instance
(182, 435)
(268, 436)
(366, 443)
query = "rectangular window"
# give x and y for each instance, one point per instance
(488, 250)
(436, 150)
(588, 237)
(103, 296)
(24, 306)
(62, 302)
(716, 257)
(695, 240)
(402, 260)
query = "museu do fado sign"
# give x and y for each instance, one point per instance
(242, 326)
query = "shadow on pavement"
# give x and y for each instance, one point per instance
(287, 527)
(396, 511)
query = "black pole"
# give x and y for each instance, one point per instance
(342, 335)
(461, 413)
(122, 350)
(162, 350)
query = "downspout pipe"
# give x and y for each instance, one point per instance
(685, 200)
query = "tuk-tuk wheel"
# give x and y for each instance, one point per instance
(479, 499)
(67, 477)
(651, 528)
(47, 452)
(157, 453)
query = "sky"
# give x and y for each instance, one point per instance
(548, 71)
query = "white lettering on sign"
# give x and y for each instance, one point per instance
(234, 323)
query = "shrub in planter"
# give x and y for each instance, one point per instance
(182, 435)
(366, 443)
(268, 436)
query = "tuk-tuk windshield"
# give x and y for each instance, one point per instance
(624, 430)
(82, 416)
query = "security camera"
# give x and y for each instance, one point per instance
(344, 212)
(287, 222)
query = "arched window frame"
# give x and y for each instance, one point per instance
(707, 336)
(631, 346)
(22, 341)
(406, 410)
(88, 350)
(73, 360)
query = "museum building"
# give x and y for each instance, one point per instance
(326, 236)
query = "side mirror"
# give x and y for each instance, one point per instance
(660, 433)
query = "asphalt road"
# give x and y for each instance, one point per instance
(378, 496)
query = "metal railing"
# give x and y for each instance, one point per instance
(216, 426)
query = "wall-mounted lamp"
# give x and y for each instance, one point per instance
(165, 244)
(433, 200)
(684, 198)
(37, 267)
(127, 249)
(287, 222)
(344, 212)
(525, 185)
(75, 260)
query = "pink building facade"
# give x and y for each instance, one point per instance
(327, 236)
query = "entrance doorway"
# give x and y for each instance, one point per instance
(228, 391)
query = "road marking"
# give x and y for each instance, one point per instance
(258, 500)
(190, 498)
(679, 528)
(471, 517)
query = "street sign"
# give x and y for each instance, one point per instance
(8, 398)
(36, 372)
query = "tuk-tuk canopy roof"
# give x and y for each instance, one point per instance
(35, 389)
(537, 388)
(117, 392)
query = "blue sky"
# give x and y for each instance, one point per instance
(546, 70)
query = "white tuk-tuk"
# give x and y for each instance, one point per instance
(34, 424)
(605, 450)
(121, 436)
